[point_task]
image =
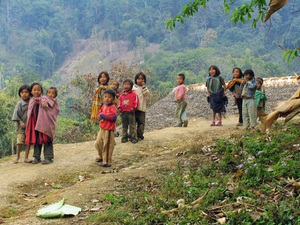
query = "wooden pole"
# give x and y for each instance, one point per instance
(12, 143)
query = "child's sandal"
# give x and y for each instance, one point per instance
(219, 124)
(36, 161)
(212, 124)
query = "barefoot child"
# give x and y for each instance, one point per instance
(234, 87)
(129, 102)
(142, 92)
(216, 93)
(260, 100)
(41, 123)
(20, 116)
(105, 140)
(180, 99)
(98, 100)
(248, 88)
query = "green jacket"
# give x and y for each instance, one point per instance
(259, 95)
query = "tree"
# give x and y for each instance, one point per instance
(258, 8)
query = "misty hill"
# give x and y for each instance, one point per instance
(39, 35)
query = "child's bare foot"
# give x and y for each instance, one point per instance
(27, 160)
(16, 160)
(234, 104)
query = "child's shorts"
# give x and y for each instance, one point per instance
(20, 139)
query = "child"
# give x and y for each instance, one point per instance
(52, 92)
(116, 86)
(260, 100)
(234, 87)
(142, 92)
(105, 140)
(180, 99)
(216, 93)
(129, 102)
(98, 100)
(41, 123)
(248, 88)
(20, 116)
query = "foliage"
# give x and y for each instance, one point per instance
(239, 13)
(143, 201)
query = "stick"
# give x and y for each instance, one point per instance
(199, 199)
(12, 143)
(286, 186)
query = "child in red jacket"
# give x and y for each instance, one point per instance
(129, 102)
(105, 140)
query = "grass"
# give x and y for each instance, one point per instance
(256, 165)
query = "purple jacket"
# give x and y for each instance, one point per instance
(47, 117)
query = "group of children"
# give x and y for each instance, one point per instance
(249, 95)
(36, 117)
(131, 104)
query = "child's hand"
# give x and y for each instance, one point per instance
(118, 95)
(176, 100)
(234, 104)
(143, 83)
(22, 124)
(132, 109)
(120, 110)
(208, 94)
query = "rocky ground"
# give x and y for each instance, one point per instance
(162, 113)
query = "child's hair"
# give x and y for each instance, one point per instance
(116, 82)
(55, 89)
(260, 80)
(110, 92)
(239, 69)
(106, 74)
(36, 83)
(216, 69)
(23, 87)
(182, 75)
(137, 76)
(129, 81)
(250, 72)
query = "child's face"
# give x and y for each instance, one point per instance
(248, 77)
(140, 81)
(236, 73)
(103, 79)
(179, 80)
(25, 94)
(108, 99)
(127, 87)
(36, 90)
(115, 85)
(258, 85)
(51, 93)
(212, 71)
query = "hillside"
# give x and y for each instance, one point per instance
(143, 159)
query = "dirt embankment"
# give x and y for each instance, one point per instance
(158, 150)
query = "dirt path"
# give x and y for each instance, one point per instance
(158, 150)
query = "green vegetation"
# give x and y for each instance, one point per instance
(254, 178)
(241, 12)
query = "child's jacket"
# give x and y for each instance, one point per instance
(181, 92)
(128, 101)
(98, 101)
(260, 99)
(20, 114)
(108, 117)
(142, 92)
(248, 89)
(48, 112)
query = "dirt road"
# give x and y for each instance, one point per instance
(158, 150)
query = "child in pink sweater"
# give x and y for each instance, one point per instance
(129, 102)
(180, 99)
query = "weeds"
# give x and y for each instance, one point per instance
(249, 185)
